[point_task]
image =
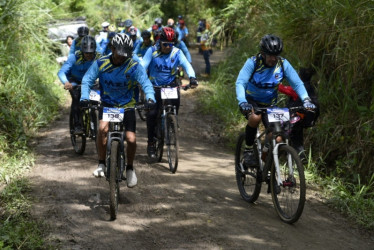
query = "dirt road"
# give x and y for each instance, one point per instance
(199, 207)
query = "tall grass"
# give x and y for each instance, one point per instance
(29, 99)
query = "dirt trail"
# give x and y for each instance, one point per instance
(199, 207)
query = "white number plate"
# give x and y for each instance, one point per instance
(169, 93)
(95, 95)
(278, 114)
(113, 114)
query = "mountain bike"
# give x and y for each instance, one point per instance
(115, 155)
(167, 127)
(279, 166)
(89, 121)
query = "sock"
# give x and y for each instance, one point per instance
(102, 162)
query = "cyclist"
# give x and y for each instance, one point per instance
(257, 85)
(182, 31)
(182, 46)
(72, 72)
(161, 61)
(106, 49)
(118, 76)
(132, 32)
(76, 45)
(142, 47)
(170, 23)
(102, 38)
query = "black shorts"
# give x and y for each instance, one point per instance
(129, 119)
(264, 117)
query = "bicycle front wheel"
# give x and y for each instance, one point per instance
(249, 181)
(159, 140)
(114, 177)
(289, 196)
(172, 142)
(78, 141)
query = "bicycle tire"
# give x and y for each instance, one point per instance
(78, 141)
(249, 182)
(159, 140)
(172, 142)
(288, 198)
(96, 127)
(114, 176)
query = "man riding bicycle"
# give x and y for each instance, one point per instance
(118, 76)
(72, 72)
(257, 86)
(162, 61)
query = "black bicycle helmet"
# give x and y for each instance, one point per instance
(88, 44)
(271, 44)
(123, 44)
(145, 34)
(83, 31)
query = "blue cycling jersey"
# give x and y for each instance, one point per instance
(117, 83)
(74, 68)
(162, 68)
(141, 49)
(182, 32)
(182, 46)
(263, 86)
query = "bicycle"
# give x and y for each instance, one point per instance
(89, 119)
(115, 155)
(281, 168)
(167, 127)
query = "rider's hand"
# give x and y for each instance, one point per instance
(245, 107)
(84, 103)
(150, 104)
(68, 86)
(307, 103)
(193, 82)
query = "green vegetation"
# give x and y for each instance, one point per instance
(335, 38)
(29, 99)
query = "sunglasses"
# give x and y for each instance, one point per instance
(165, 44)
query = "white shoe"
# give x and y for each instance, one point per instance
(99, 172)
(131, 178)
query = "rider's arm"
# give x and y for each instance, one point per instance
(184, 48)
(294, 80)
(186, 65)
(89, 80)
(142, 78)
(147, 58)
(242, 80)
(72, 48)
(62, 73)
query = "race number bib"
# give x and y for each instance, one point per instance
(278, 114)
(169, 93)
(95, 95)
(113, 114)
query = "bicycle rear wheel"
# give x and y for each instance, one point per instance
(289, 197)
(249, 181)
(78, 141)
(114, 177)
(172, 142)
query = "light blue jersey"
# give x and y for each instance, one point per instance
(74, 68)
(117, 83)
(162, 68)
(182, 46)
(263, 87)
